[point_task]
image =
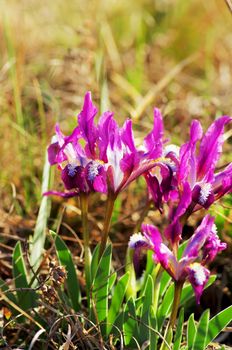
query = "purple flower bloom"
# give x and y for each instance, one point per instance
(212, 245)
(102, 157)
(198, 276)
(161, 179)
(194, 183)
(198, 169)
(202, 247)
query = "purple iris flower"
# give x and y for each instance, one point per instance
(195, 183)
(102, 157)
(161, 179)
(202, 247)
(198, 168)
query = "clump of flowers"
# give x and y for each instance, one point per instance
(201, 249)
(104, 158)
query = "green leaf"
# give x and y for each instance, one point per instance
(20, 278)
(218, 323)
(112, 279)
(38, 240)
(118, 325)
(148, 271)
(179, 330)
(138, 304)
(130, 324)
(165, 308)
(164, 283)
(132, 286)
(153, 325)
(94, 261)
(117, 300)
(191, 331)
(144, 331)
(105, 101)
(101, 287)
(202, 330)
(65, 259)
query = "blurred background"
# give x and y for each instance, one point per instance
(132, 55)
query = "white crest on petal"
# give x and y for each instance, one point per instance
(199, 273)
(214, 229)
(93, 171)
(206, 189)
(135, 238)
(171, 148)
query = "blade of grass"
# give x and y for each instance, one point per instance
(191, 331)
(13, 72)
(179, 330)
(218, 323)
(101, 287)
(202, 330)
(111, 46)
(65, 259)
(125, 85)
(38, 240)
(130, 324)
(94, 262)
(152, 93)
(117, 300)
(20, 277)
(153, 329)
(144, 332)
(105, 101)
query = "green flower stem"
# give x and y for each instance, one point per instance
(175, 306)
(84, 217)
(176, 303)
(108, 215)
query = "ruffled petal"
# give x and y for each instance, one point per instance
(212, 246)
(187, 167)
(210, 149)
(222, 183)
(127, 136)
(198, 239)
(106, 129)
(86, 124)
(154, 140)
